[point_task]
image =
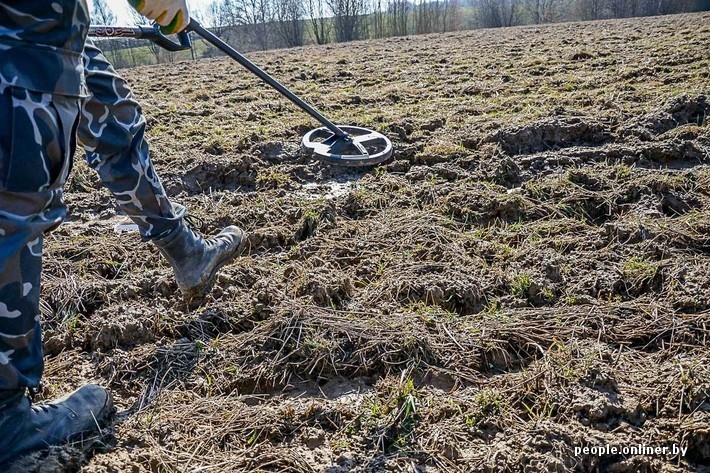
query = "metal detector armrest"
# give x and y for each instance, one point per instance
(151, 33)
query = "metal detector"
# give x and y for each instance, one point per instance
(336, 144)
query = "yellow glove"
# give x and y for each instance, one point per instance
(171, 15)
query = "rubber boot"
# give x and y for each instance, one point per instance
(26, 427)
(196, 260)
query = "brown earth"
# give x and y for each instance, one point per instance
(529, 274)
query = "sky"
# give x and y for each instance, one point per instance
(121, 9)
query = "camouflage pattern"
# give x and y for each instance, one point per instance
(37, 140)
(41, 44)
(48, 98)
(111, 131)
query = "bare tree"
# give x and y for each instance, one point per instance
(243, 23)
(399, 11)
(377, 20)
(590, 9)
(103, 15)
(437, 16)
(596, 9)
(451, 16)
(666, 7)
(427, 16)
(347, 18)
(497, 13)
(217, 19)
(364, 15)
(317, 13)
(544, 11)
(258, 14)
(288, 16)
(624, 8)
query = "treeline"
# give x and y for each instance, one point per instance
(268, 24)
(497, 13)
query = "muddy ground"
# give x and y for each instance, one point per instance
(529, 274)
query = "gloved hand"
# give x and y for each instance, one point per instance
(171, 15)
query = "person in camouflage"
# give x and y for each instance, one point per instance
(57, 88)
(111, 129)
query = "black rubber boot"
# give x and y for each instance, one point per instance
(27, 427)
(196, 260)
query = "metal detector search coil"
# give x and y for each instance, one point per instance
(361, 147)
(340, 145)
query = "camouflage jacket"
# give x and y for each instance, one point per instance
(41, 44)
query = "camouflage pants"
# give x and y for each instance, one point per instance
(38, 133)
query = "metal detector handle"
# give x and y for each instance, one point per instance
(166, 43)
(234, 54)
(151, 33)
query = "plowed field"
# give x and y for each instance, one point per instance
(529, 275)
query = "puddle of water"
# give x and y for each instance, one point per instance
(327, 190)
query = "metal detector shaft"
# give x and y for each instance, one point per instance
(234, 54)
(151, 33)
